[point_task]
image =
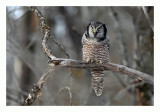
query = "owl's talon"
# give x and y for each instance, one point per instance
(88, 60)
(99, 62)
(92, 61)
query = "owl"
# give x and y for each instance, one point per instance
(95, 43)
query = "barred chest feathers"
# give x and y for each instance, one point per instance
(96, 51)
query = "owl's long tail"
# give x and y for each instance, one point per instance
(97, 81)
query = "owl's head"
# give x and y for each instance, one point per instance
(97, 30)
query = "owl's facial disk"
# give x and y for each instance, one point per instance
(96, 30)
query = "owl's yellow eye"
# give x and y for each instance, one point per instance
(99, 29)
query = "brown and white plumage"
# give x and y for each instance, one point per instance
(96, 50)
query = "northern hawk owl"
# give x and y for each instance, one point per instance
(95, 42)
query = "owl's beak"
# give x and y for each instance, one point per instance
(94, 31)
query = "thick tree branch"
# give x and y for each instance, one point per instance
(107, 66)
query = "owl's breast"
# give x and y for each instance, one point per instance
(97, 52)
(93, 50)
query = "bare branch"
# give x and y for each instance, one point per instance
(107, 66)
(36, 91)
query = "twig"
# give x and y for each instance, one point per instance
(61, 47)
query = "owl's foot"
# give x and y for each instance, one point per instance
(99, 62)
(94, 61)
(90, 61)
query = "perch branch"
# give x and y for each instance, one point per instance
(107, 66)
(55, 63)
(70, 63)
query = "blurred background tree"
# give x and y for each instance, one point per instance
(131, 34)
